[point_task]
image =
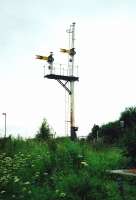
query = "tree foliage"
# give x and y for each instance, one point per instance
(110, 132)
(44, 132)
(130, 146)
(129, 117)
(93, 134)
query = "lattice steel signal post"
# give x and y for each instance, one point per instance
(66, 77)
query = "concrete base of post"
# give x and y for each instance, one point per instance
(73, 133)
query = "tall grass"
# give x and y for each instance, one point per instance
(59, 169)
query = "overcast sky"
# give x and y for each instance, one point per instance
(106, 49)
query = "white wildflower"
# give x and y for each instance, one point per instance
(84, 163)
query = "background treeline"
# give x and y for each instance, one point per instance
(121, 132)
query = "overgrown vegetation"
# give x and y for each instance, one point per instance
(52, 169)
(59, 169)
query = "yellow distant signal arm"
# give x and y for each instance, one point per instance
(41, 57)
(64, 50)
(71, 52)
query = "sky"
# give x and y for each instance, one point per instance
(105, 44)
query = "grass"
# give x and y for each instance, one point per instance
(60, 169)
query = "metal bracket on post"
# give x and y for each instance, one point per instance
(64, 85)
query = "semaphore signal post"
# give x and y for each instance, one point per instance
(65, 76)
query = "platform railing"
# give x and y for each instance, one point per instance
(61, 70)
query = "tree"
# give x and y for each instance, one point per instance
(129, 117)
(93, 135)
(44, 132)
(95, 130)
(111, 132)
(130, 146)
